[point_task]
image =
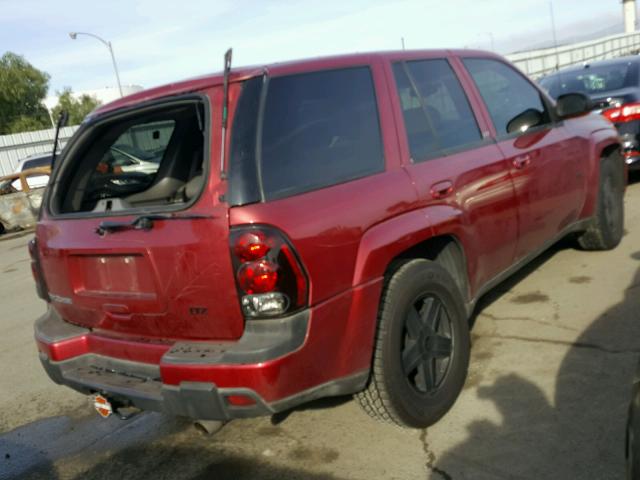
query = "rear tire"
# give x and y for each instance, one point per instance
(422, 347)
(607, 226)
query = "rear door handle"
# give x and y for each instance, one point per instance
(442, 189)
(521, 161)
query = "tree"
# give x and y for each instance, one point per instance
(77, 108)
(22, 90)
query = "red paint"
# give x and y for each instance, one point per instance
(500, 201)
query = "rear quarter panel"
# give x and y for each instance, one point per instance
(326, 226)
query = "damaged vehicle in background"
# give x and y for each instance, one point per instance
(315, 228)
(34, 161)
(20, 198)
(614, 89)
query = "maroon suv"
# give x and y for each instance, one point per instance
(332, 239)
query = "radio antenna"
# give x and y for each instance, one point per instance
(225, 108)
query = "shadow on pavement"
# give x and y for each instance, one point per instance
(188, 461)
(580, 433)
(150, 445)
(319, 404)
(33, 448)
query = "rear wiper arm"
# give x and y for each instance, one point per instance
(143, 222)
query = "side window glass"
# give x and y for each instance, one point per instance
(319, 129)
(514, 104)
(437, 114)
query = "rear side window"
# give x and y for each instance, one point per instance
(437, 114)
(506, 93)
(305, 132)
(319, 129)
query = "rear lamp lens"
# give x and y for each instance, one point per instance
(251, 246)
(258, 277)
(624, 113)
(271, 280)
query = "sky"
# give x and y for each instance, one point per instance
(159, 41)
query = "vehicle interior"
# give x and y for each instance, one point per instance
(154, 158)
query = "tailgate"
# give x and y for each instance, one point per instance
(172, 282)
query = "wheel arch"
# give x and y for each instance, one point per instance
(445, 250)
(410, 236)
(603, 146)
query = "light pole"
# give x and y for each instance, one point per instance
(493, 47)
(74, 35)
(555, 34)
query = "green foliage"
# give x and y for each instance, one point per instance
(22, 90)
(77, 108)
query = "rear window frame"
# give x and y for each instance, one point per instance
(239, 198)
(84, 133)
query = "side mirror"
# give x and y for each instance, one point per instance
(573, 105)
(524, 121)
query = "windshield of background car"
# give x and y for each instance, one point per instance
(590, 81)
(37, 162)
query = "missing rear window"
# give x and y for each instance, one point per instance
(149, 159)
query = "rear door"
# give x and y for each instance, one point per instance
(461, 176)
(544, 158)
(170, 278)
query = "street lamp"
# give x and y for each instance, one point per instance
(74, 35)
(490, 35)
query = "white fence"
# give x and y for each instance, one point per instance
(15, 147)
(538, 63)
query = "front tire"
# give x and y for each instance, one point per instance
(422, 347)
(607, 227)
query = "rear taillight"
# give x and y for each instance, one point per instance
(623, 113)
(36, 270)
(270, 278)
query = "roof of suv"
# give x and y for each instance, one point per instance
(280, 68)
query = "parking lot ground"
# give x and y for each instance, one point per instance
(553, 356)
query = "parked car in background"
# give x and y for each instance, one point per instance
(34, 161)
(19, 207)
(126, 158)
(337, 246)
(614, 88)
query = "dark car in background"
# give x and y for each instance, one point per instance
(614, 88)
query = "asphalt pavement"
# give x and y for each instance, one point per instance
(554, 352)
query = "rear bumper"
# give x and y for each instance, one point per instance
(274, 366)
(91, 374)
